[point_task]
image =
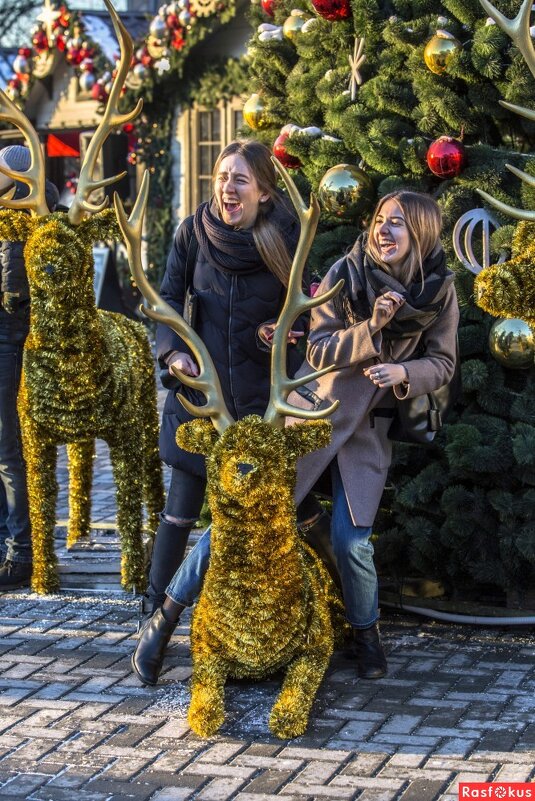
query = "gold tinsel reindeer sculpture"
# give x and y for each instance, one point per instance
(508, 289)
(86, 373)
(267, 600)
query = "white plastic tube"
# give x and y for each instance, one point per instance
(471, 620)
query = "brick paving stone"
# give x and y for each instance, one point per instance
(422, 790)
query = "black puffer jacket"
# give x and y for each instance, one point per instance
(230, 308)
(15, 313)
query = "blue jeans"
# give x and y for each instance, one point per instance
(15, 532)
(354, 557)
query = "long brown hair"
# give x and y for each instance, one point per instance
(267, 237)
(423, 219)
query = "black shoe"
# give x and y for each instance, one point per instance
(147, 607)
(147, 659)
(371, 659)
(15, 574)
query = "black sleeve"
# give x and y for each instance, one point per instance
(172, 291)
(14, 280)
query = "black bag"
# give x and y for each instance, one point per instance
(418, 419)
(189, 312)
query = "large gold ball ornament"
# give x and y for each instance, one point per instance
(345, 191)
(293, 24)
(512, 343)
(254, 112)
(439, 50)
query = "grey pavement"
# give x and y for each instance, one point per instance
(457, 705)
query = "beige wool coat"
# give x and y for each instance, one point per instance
(364, 452)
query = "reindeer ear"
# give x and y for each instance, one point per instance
(15, 226)
(197, 436)
(309, 436)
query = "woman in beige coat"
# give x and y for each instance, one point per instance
(391, 331)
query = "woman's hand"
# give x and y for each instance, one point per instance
(267, 330)
(185, 363)
(386, 375)
(384, 309)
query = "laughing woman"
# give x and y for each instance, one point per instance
(391, 333)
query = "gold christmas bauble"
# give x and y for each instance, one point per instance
(512, 344)
(439, 50)
(254, 112)
(293, 24)
(345, 191)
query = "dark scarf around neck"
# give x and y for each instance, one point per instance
(233, 250)
(365, 280)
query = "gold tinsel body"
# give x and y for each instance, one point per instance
(267, 600)
(86, 374)
(508, 289)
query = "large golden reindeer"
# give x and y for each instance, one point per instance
(86, 373)
(508, 289)
(267, 600)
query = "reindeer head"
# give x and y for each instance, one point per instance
(58, 246)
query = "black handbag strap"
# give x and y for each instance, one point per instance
(191, 259)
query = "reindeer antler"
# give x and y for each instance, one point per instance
(295, 304)
(110, 120)
(518, 30)
(35, 176)
(207, 381)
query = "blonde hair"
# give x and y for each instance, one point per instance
(267, 237)
(423, 219)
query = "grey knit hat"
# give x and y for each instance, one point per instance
(15, 157)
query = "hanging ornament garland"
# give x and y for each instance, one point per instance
(446, 157)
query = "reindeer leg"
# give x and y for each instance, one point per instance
(128, 481)
(289, 716)
(153, 492)
(40, 456)
(80, 458)
(207, 707)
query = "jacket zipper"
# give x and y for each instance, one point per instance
(231, 299)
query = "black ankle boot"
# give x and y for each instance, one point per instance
(147, 659)
(371, 659)
(318, 536)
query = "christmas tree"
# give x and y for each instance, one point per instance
(361, 97)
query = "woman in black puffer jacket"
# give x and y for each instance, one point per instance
(243, 240)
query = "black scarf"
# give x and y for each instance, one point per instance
(365, 280)
(233, 250)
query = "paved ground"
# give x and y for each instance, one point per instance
(458, 704)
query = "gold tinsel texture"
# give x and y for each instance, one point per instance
(508, 289)
(87, 374)
(267, 601)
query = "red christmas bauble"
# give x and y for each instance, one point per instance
(279, 150)
(268, 6)
(446, 157)
(98, 92)
(25, 51)
(40, 41)
(332, 9)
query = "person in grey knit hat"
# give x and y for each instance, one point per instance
(15, 532)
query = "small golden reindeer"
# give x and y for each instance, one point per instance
(267, 600)
(86, 373)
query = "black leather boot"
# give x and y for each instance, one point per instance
(147, 659)
(318, 536)
(371, 659)
(168, 552)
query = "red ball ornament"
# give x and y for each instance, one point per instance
(446, 157)
(25, 51)
(98, 92)
(332, 9)
(268, 6)
(279, 150)
(40, 41)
